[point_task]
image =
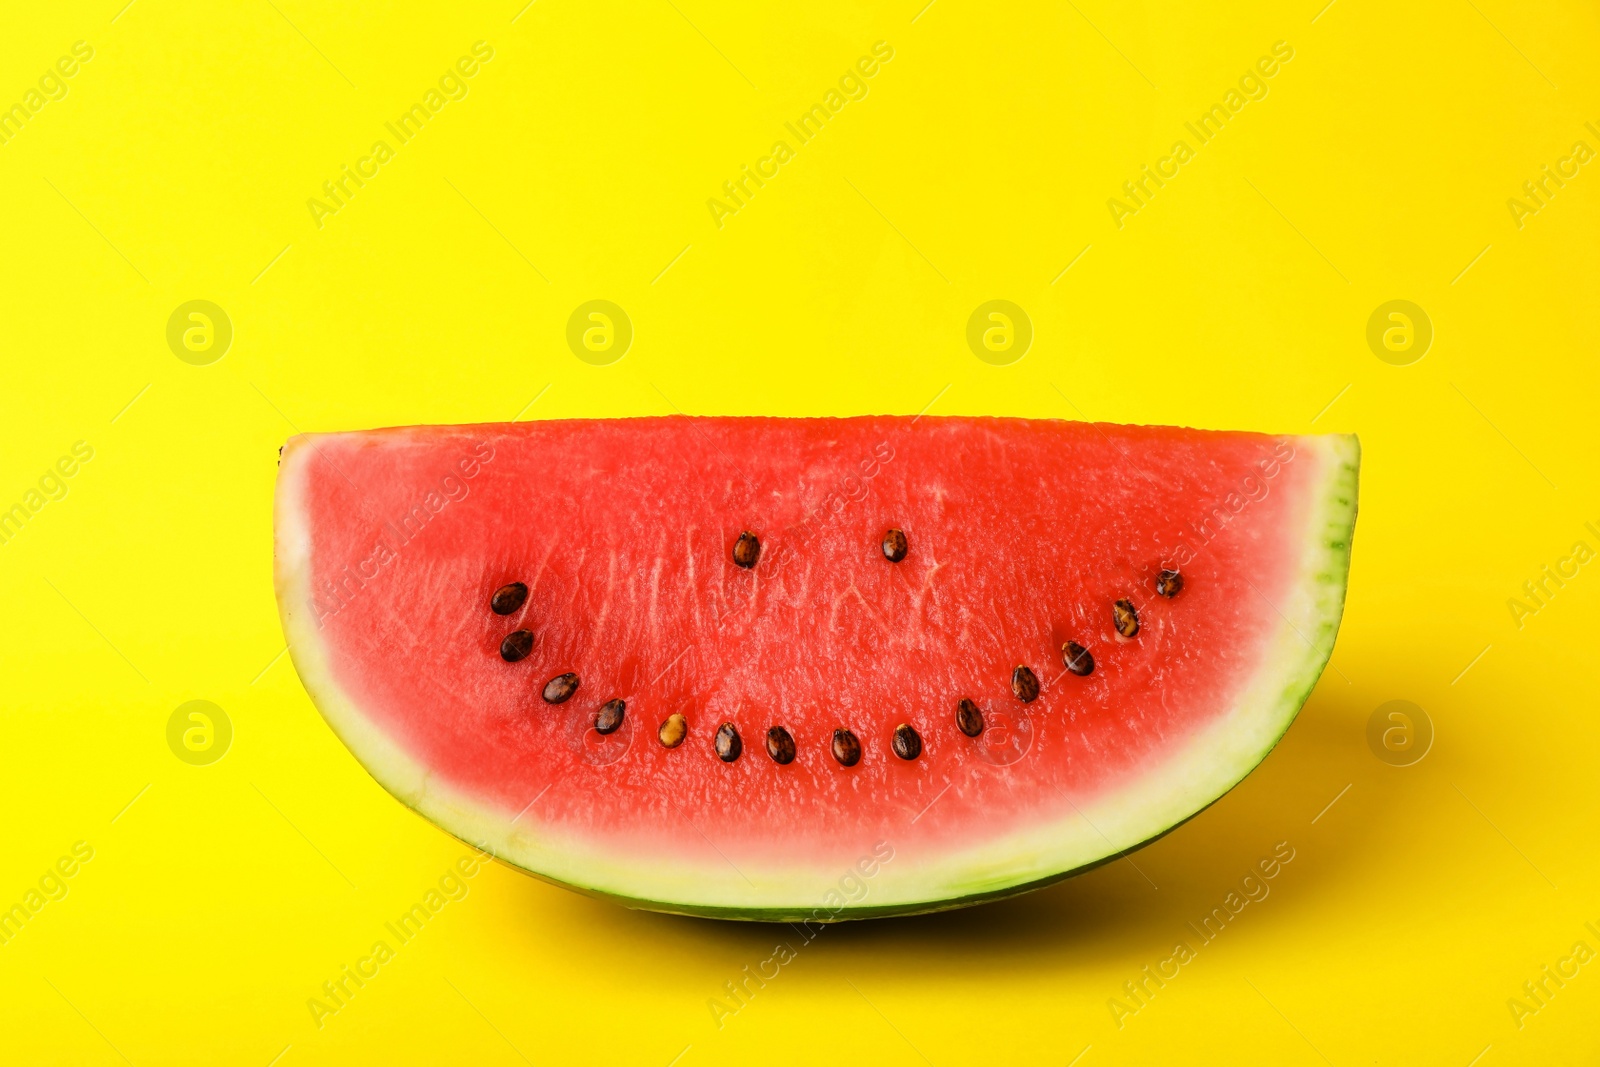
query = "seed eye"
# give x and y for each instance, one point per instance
(894, 545)
(508, 598)
(1125, 618)
(609, 717)
(846, 749)
(746, 550)
(1077, 659)
(780, 745)
(1025, 684)
(516, 646)
(673, 731)
(560, 688)
(727, 743)
(969, 720)
(1169, 583)
(907, 742)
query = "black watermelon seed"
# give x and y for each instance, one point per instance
(907, 742)
(1025, 684)
(1169, 583)
(1077, 659)
(609, 717)
(1125, 618)
(894, 546)
(517, 645)
(508, 598)
(560, 688)
(746, 550)
(969, 720)
(846, 749)
(780, 746)
(727, 742)
(673, 731)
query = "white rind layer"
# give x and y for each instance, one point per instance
(1210, 763)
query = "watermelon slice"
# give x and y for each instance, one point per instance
(811, 668)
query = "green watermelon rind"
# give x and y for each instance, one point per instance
(1296, 667)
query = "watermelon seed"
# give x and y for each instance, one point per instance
(1169, 583)
(673, 731)
(1125, 618)
(609, 717)
(746, 550)
(1077, 659)
(558, 689)
(517, 645)
(846, 749)
(969, 720)
(1025, 684)
(894, 546)
(508, 598)
(907, 744)
(727, 742)
(780, 746)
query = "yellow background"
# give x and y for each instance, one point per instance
(1378, 167)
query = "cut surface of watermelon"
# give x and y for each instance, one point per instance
(465, 603)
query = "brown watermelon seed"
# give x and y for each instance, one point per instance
(517, 645)
(560, 688)
(673, 731)
(846, 749)
(508, 598)
(969, 720)
(1169, 583)
(727, 742)
(609, 717)
(894, 546)
(780, 746)
(1025, 684)
(1125, 618)
(1077, 659)
(907, 742)
(746, 550)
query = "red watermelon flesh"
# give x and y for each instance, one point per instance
(1020, 537)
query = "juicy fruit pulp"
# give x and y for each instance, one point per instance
(1129, 616)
